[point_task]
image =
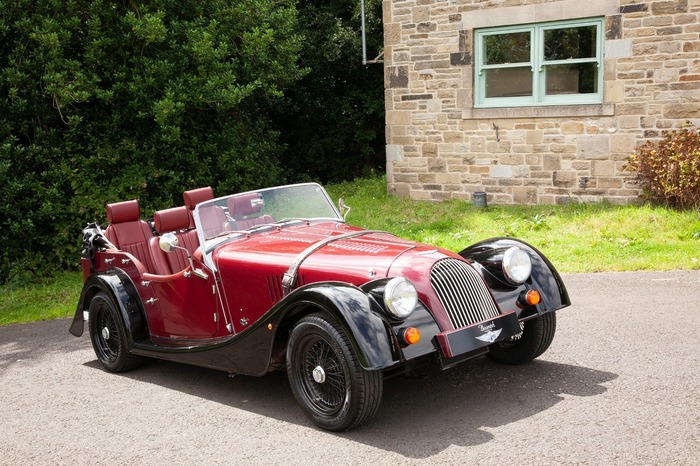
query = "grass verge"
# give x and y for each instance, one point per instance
(575, 237)
(48, 299)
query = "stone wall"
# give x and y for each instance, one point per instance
(440, 147)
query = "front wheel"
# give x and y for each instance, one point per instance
(534, 340)
(108, 336)
(330, 385)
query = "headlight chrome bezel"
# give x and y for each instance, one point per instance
(400, 297)
(517, 265)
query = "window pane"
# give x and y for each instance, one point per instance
(508, 82)
(570, 43)
(507, 48)
(576, 78)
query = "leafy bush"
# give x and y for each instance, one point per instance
(668, 170)
(103, 101)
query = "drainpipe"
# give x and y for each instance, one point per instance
(364, 40)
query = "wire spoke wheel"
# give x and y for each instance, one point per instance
(108, 336)
(324, 380)
(330, 385)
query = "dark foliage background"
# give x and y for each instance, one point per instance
(332, 121)
(102, 101)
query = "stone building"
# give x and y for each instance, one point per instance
(533, 101)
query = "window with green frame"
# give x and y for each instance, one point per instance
(556, 63)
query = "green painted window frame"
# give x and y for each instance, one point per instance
(538, 65)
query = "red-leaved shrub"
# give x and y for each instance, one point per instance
(668, 170)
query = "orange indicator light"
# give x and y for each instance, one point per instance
(533, 297)
(411, 335)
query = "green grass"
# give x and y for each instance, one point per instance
(48, 299)
(575, 238)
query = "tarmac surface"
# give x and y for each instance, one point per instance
(619, 385)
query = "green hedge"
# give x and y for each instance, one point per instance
(103, 101)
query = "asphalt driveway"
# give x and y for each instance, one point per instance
(619, 385)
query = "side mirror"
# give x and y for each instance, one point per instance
(168, 242)
(343, 208)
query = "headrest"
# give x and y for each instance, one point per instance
(195, 196)
(126, 211)
(174, 219)
(247, 204)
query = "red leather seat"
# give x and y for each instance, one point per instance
(194, 197)
(177, 221)
(128, 232)
(245, 209)
(212, 218)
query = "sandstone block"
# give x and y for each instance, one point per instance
(593, 146)
(564, 178)
(534, 137)
(434, 164)
(398, 117)
(682, 111)
(525, 195)
(572, 127)
(551, 162)
(511, 159)
(602, 168)
(501, 171)
(392, 33)
(429, 150)
(608, 182)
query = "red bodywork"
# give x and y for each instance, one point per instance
(252, 268)
(248, 280)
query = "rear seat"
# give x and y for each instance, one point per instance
(245, 209)
(177, 221)
(212, 218)
(128, 232)
(194, 197)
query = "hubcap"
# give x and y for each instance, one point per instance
(319, 374)
(105, 333)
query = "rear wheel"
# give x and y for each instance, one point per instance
(536, 337)
(108, 336)
(330, 385)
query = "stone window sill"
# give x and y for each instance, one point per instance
(550, 111)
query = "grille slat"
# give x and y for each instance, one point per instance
(462, 293)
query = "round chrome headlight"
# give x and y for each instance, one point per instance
(400, 297)
(517, 265)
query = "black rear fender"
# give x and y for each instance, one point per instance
(116, 284)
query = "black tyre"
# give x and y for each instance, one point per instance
(108, 336)
(536, 337)
(329, 383)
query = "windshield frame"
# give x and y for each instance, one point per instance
(209, 244)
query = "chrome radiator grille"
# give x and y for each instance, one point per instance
(462, 293)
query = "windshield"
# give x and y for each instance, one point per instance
(266, 207)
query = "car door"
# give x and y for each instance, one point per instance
(182, 307)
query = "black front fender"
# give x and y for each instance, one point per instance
(488, 255)
(121, 289)
(368, 331)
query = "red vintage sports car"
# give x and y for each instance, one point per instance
(275, 279)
